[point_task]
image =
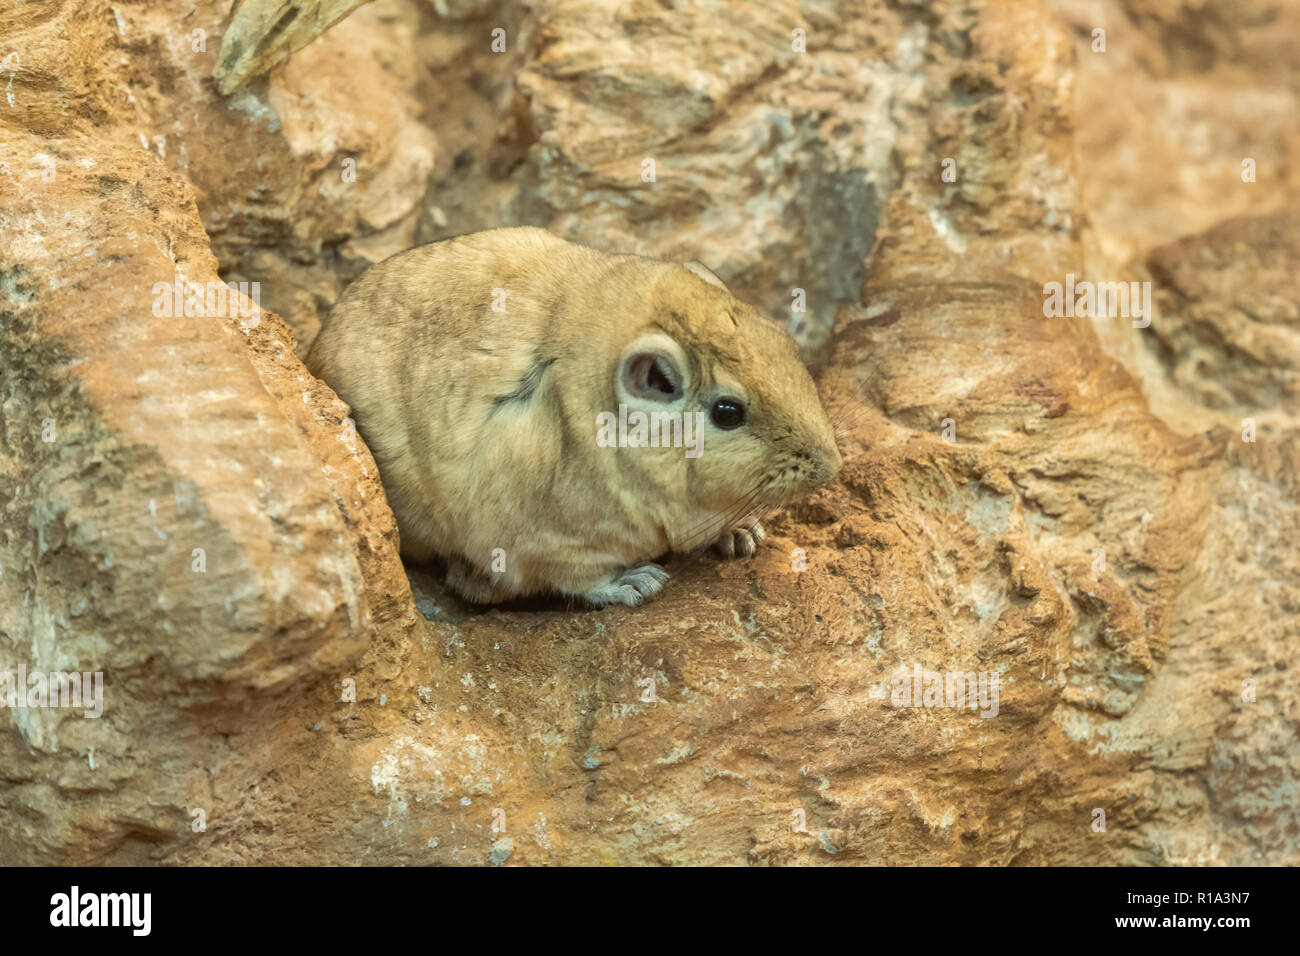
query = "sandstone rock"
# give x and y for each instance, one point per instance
(181, 510)
(758, 144)
(302, 180)
(1230, 315)
(1071, 505)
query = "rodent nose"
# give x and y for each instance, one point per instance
(825, 462)
(828, 464)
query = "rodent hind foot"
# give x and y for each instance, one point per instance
(630, 587)
(468, 582)
(740, 542)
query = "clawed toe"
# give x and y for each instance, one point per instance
(740, 542)
(631, 587)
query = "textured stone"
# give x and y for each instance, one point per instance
(302, 180)
(1070, 504)
(180, 509)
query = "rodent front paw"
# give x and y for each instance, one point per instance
(740, 542)
(630, 587)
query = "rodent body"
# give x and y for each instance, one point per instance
(476, 369)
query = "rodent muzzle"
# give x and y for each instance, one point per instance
(829, 466)
(811, 468)
(826, 464)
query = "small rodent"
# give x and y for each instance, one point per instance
(476, 369)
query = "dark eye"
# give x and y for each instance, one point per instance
(728, 413)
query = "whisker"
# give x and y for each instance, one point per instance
(705, 531)
(753, 505)
(845, 417)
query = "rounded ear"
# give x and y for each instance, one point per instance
(704, 272)
(651, 371)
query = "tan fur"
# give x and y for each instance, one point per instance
(415, 348)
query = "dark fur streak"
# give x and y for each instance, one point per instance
(528, 385)
(569, 441)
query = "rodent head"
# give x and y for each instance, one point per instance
(694, 348)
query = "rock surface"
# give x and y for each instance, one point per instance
(1100, 514)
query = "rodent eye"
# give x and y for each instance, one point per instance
(728, 413)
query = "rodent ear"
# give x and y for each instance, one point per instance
(705, 273)
(652, 369)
